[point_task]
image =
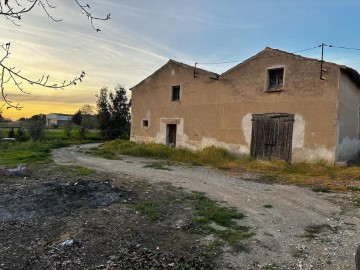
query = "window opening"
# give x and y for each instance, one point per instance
(275, 79)
(175, 95)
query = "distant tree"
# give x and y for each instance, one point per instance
(104, 116)
(120, 113)
(113, 113)
(88, 120)
(11, 133)
(21, 135)
(76, 118)
(40, 117)
(35, 117)
(13, 10)
(36, 129)
(68, 128)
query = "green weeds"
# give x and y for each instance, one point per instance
(30, 152)
(357, 203)
(321, 189)
(60, 134)
(158, 166)
(149, 208)
(312, 231)
(219, 220)
(104, 153)
(208, 156)
(24, 153)
(272, 266)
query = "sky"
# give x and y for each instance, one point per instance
(143, 35)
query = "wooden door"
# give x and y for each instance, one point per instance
(271, 136)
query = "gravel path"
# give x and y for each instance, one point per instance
(279, 241)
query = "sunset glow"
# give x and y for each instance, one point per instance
(142, 35)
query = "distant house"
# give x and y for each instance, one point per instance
(273, 105)
(58, 119)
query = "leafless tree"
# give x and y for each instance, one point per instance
(88, 120)
(13, 11)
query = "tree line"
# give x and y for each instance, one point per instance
(111, 117)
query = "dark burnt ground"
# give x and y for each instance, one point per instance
(103, 216)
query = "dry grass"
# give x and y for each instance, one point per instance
(319, 175)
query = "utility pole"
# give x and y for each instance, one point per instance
(195, 69)
(322, 61)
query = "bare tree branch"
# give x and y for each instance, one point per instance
(10, 74)
(13, 10)
(86, 10)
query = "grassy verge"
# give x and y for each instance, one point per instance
(29, 152)
(77, 170)
(209, 156)
(26, 152)
(74, 138)
(320, 176)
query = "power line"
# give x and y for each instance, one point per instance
(341, 47)
(237, 61)
(318, 46)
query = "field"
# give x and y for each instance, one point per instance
(29, 152)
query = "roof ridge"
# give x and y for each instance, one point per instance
(280, 51)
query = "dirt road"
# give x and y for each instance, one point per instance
(279, 214)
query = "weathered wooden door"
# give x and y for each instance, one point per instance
(271, 136)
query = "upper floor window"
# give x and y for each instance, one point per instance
(275, 79)
(175, 93)
(145, 123)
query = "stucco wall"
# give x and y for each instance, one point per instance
(218, 112)
(348, 119)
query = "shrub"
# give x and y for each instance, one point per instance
(11, 133)
(21, 135)
(37, 130)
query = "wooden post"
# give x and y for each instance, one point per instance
(357, 258)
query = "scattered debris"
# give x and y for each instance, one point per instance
(67, 243)
(8, 139)
(18, 170)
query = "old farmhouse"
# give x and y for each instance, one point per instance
(274, 104)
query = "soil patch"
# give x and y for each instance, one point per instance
(92, 222)
(58, 199)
